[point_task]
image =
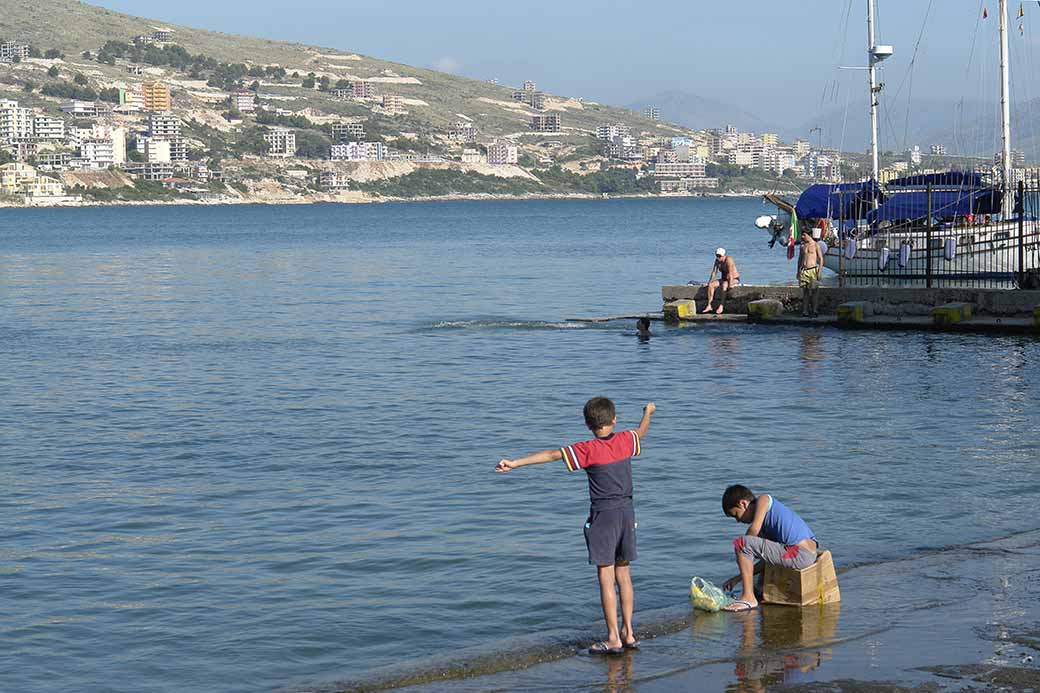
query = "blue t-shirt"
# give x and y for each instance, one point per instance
(783, 525)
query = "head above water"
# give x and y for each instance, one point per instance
(737, 502)
(599, 413)
(643, 324)
(720, 253)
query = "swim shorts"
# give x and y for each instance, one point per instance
(610, 536)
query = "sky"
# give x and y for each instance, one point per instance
(781, 60)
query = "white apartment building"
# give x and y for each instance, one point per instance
(281, 142)
(652, 112)
(15, 122)
(471, 156)
(166, 126)
(80, 109)
(938, 150)
(358, 151)
(242, 101)
(609, 132)
(102, 146)
(502, 153)
(625, 148)
(681, 169)
(155, 150)
(914, 153)
(9, 51)
(47, 128)
(343, 132)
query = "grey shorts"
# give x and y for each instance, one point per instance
(772, 552)
(610, 536)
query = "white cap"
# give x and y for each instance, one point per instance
(816, 233)
(720, 251)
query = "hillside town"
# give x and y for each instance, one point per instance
(142, 119)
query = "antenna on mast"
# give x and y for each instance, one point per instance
(875, 54)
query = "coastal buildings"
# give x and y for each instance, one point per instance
(48, 128)
(15, 122)
(393, 104)
(166, 126)
(81, 109)
(471, 156)
(157, 96)
(11, 52)
(610, 132)
(652, 112)
(937, 150)
(332, 180)
(358, 151)
(242, 101)
(501, 153)
(463, 131)
(546, 123)
(100, 146)
(161, 34)
(344, 132)
(281, 142)
(22, 179)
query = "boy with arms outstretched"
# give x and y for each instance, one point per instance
(777, 535)
(610, 532)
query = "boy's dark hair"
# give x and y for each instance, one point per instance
(643, 323)
(734, 494)
(599, 412)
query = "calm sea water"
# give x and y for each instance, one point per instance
(248, 448)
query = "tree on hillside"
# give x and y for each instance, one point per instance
(312, 145)
(54, 71)
(308, 83)
(80, 79)
(54, 53)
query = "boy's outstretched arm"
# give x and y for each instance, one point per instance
(542, 457)
(644, 424)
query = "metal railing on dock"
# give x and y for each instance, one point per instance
(944, 249)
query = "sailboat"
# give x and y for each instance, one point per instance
(950, 229)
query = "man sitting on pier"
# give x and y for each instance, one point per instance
(728, 276)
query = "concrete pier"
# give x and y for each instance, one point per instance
(950, 310)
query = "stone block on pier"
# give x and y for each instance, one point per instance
(951, 313)
(854, 311)
(679, 310)
(764, 308)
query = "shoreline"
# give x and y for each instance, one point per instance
(882, 633)
(365, 199)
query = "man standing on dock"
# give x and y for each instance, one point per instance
(728, 277)
(810, 267)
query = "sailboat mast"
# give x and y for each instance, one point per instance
(1005, 112)
(871, 61)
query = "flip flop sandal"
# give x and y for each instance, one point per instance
(601, 648)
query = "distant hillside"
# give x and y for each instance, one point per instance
(74, 27)
(698, 112)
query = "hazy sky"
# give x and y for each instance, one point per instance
(774, 58)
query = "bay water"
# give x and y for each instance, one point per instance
(249, 448)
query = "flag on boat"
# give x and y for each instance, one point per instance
(1021, 10)
(985, 12)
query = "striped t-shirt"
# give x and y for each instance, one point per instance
(608, 463)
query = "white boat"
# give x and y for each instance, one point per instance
(950, 229)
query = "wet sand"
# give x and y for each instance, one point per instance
(959, 618)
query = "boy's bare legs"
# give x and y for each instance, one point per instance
(623, 574)
(747, 581)
(815, 299)
(608, 598)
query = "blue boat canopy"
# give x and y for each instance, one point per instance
(840, 201)
(946, 204)
(946, 179)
